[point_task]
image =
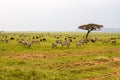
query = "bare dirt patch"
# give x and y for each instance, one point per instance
(113, 75)
(116, 59)
(78, 63)
(26, 56)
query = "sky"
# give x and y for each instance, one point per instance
(57, 15)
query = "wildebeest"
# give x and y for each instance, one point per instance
(70, 40)
(56, 36)
(113, 38)
(33, 37)
(43, 39)
(12, 38)
(114, 41)
(119, 37)
(74, 37)
(37, 37)
(92, 40)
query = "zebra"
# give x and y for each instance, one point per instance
(35, 42)
(4, 40)
(25, 43)
(106, 41)
(65, 43)
(78, 44)
(83, 41)
(54, 44)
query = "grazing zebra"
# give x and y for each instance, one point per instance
(20, 40)
(29, 44)
(65, 43)
(4, 40)
(58, 41)
(25, 43)
(35, 42)
(106, 41)
(83, 41)
(78, 44)
(54, 44)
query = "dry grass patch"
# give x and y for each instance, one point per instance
(26, 56)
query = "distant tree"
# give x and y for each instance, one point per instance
(90, 27)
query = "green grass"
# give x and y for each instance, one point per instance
(95, 61)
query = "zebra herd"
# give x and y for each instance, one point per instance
(37, 40)
(66, 42)
(81, 42)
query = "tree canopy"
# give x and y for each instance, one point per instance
(90, 27)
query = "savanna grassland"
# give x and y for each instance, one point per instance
(92, 61)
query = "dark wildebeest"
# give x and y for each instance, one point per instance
(114, 41)
(44, 39)
(93, 40)
(12, 38)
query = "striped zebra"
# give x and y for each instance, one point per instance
(65, 43)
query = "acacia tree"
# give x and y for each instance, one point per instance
(90, 27)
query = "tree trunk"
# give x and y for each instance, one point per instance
(87, 34)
